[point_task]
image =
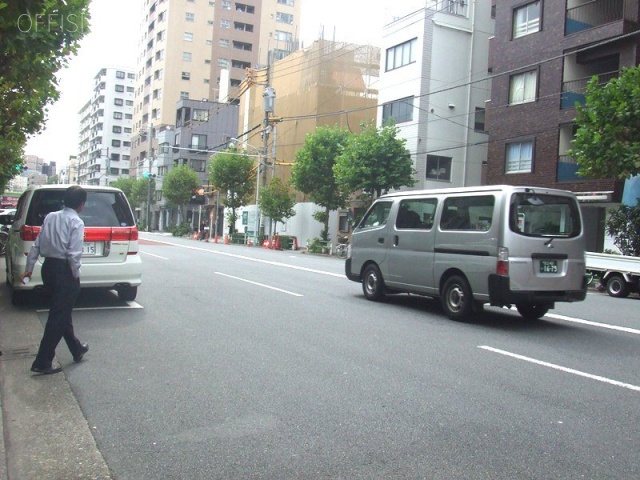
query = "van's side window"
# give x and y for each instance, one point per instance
(416, 213)
(468, 213)
(377, 215)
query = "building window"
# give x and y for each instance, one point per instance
(118, 102)
(478, 124)
(284, 18)
(284, 36)
(128, 116)
(286, 2)
(119, 88)
(160, 55)
(519, 157)
(526, 20)
(186, 56)
(188, 37)
(399, 111)
(198, 165)
(126, 144)
(226, 4)
(184, 95)
(113, 171)
(160, 36)
(244, 27)
(119, 74)
(522, 87)
(117, 115)
(225, 24)
(224, 43)
(223, 63)
(200, 115)
(129, 103)
(116, 129)
(127, 129)
(242, 46)
(186, 76)
(198, 142)
(115, 157)
(401, 55)
(130, 90)
(126, 158)
(239, 64)
(115, 143)
(241, 7)
(438, 168)
(189, 17)
(131, 76)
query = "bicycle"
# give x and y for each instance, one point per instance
(4, 238)
(342, 246)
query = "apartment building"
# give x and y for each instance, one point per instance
(106, 127)
(434, 86)
(543, 54)
(200, 50)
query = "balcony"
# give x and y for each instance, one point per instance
(594, 13)
(574, 91)
(568, 169)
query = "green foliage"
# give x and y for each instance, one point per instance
(276, 201)
(313, 171)
(233, 172)
(139, 192)
(125, 184)
(181, 230)
(375, 161)
(607, 142)
(36, 39)
(179, 185)
(318, 245)
(623, 224)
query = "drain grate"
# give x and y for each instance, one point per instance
(19, 352)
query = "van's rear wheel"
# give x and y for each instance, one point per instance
(532, 311)
(617, 286)
(127, 293)
(456, 298)
(372, 283)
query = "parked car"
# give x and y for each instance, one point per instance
(110, 259)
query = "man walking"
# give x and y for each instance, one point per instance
(60, 243)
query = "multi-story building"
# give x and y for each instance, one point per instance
(33, 163)
(105, 128)
(327, 84)
(433, 87)
(542, 56)
(200, 50)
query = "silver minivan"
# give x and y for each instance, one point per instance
(499, 245)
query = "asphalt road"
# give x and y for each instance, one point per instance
(240, 362)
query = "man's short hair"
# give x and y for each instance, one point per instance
(74, 196)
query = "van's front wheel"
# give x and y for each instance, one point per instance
(532, 311)
(456, 298)
(372, 283)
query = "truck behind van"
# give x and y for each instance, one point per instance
(499, 245)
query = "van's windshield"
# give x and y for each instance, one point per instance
(539, 215)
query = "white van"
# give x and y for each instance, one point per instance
(110, 259)
(501, 245)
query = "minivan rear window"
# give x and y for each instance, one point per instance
(540, 215)
(102, 209)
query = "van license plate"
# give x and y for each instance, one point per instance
(89, 248)
(548, 266)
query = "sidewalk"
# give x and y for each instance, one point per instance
(44, 435)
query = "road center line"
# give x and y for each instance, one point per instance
(259, 284)
(593, 324)
(562, 369)
(257, 260)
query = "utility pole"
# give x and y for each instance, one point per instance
(150, 160)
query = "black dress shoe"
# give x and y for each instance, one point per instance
(46, 371)
(84, 348)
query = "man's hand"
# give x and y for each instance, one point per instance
(27, 276)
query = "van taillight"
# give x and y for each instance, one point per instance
(28, 233)
(110, 234)
(502, 266)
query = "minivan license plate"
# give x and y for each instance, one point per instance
(89, 248)
(548, 266)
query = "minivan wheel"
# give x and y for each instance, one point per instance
(532, 311)
(372, 283)
(456, 298)
(617, 286)
(127, 293)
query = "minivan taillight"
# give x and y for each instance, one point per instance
(502, 266)
(29, 233)
(108, 234)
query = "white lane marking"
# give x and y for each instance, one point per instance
(593, 324)
(129, 306)
(259, 284)
(562, 369)
(257, 260)
(153, 255)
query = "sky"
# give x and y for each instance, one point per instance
(113, 42)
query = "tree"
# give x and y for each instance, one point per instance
(276, 202)
(233, 172)
(36, 39)
(374, 161)
(125, 184)
(139, 193)
(623, 225)
(313, 173)
(179, 186)
(607, 141)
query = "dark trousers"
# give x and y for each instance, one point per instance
(64, 290)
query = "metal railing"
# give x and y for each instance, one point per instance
(599, 12)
